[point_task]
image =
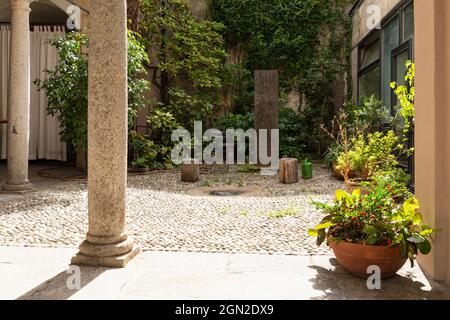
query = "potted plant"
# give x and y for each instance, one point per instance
(368, 155)
(352, 123)
(330, 159)
(341, 133)
(371, 229)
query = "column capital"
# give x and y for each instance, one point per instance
(18, 5)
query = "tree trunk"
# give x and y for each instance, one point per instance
(134, 14)
(288, 170)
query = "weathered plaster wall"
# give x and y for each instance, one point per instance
(200, 8)
(85, 4)
(363, 14)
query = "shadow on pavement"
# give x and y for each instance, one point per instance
(337, 284)
(65, 284)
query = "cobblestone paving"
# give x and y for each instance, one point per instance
(162, 216)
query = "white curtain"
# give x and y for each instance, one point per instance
(45, 142)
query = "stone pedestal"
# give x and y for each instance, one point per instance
(107, 243)
(19, 99)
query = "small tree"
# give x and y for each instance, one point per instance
(67, 86)
(185, 49)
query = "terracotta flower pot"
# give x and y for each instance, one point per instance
(356, 258)
(356, 184)
(336, 172)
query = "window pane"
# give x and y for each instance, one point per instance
(408, 22)
(369, 84)
(400, 72)
(391, 41)
(400, 62)
(370, 53)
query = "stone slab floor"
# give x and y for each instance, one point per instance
(41, 273)
(195, 247)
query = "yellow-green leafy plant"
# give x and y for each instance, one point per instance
(405, 95)
(369, 154)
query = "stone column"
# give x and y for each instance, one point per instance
(19, 99)
(107, 243)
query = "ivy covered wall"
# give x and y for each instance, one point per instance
(307, 41)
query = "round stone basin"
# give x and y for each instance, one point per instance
(224, 191)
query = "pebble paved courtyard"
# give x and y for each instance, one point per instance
(164, 214)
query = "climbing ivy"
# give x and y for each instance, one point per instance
(188, 55)
(405, 95)
(303, 39)
(306, 40)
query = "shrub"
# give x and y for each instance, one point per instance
(292, 143)
(371, 114)
(67, 85)
(145, 151)
(154, 151)
(290, 125)
(332, 154)
(369, 155)
(236, 121)
(189, 57)
(396, 180)
(248, 168)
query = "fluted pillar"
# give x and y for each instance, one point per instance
(107, 243)
(18, 114)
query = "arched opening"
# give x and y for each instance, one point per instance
(47, 21)
(46, 13)
(42, 12)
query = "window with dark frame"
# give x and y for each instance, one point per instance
(380, 48)
(369, 69)
(381, 60)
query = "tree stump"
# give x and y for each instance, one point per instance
(288, 170)
(190, 171)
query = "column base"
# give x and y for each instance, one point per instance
(17, 188)
(106, 255)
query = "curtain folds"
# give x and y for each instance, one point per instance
(45, 142)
